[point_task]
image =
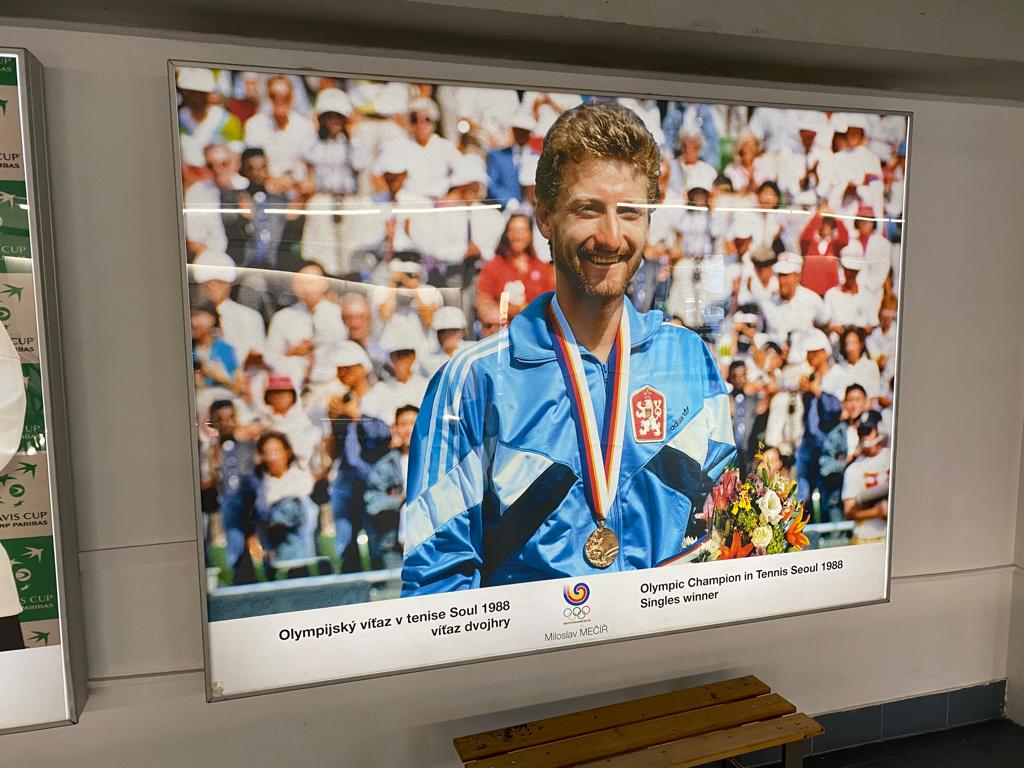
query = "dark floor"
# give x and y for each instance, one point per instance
(995, 744)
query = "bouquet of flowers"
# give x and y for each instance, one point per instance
(759, 516)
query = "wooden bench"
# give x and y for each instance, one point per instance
(691, 727)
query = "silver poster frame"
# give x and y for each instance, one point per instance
(44, 270)
(526, 77)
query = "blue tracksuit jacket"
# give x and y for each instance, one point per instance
(494, 489)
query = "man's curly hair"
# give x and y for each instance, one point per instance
(605, 130)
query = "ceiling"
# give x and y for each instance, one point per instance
(951, 48)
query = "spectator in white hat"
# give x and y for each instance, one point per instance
(355, 441)
(402, 341)
(429, 157)
(214, 273)
(201, 121)
(795, 309)
(821, 390)
(750, 166)
(849, 303)
(450, 327)
(405, 300)
(380, 111)
(331, 159)
(330, 154)
(287, 139)
(504, 163)
(688, 171)
(804, 171)
(857, 171)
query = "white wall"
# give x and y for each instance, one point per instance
(960, 425)
(1015, 656)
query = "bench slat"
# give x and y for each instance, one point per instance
(720, 745)
(550, 729)
(615, 741)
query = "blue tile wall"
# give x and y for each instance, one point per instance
(896, 719)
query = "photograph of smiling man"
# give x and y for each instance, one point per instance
(584, 435)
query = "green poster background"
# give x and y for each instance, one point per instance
(15, 247)
(8, 70)
(33, 434)
(35, 573)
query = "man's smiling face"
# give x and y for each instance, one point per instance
(598, 228)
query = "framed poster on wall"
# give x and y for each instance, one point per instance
(481, 371)
(42, 672)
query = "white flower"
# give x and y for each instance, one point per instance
(689, 541)
(761, 536)
(771, 507)
(710, 549)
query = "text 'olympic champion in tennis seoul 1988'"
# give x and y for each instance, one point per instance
(582, 437)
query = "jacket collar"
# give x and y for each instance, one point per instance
(530, 337)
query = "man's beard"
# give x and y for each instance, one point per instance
(572, 268)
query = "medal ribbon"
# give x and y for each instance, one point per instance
(600, 463)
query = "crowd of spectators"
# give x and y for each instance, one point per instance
(346, 237)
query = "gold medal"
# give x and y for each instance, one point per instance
(601, 547)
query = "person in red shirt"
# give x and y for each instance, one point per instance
(516, 269)
(821, 241)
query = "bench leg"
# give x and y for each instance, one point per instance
(793, 754)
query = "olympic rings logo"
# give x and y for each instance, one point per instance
(576, 612)
(576, 594)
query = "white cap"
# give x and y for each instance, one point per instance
(851, 257)
(813, 340)
(743, 225)
(214, 265)
(429, 106)
(844, 121)
(196, 79)
(690, 129)
(408, 267)
(348, 353)
(810, 120)
(856, 120)
(392, 158)
(523, 119)
(333, 100)
(528, 170)
(701, 176)
(468, 169)
(401, 333)
(449, 319)
(788, 264)
(746, 318)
